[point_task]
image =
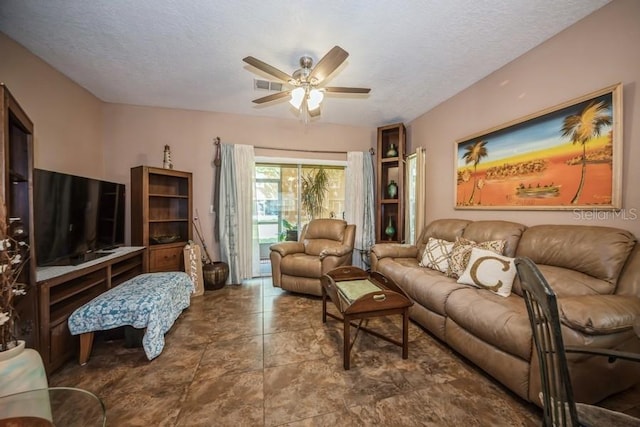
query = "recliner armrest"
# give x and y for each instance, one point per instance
(612, 355)
(287, 248)
(336, 251)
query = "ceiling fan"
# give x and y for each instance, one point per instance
(307, 93)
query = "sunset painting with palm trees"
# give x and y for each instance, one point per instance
(565, 158)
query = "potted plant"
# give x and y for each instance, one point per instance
(289, 231)
(314, 192)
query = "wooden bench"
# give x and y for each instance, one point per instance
(152, 301)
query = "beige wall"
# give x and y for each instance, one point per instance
(601, 50)
(67, 118)
(137, 135)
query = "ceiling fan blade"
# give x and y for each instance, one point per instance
(281, 75)
(337, 89)
(328, 63)
(272, 97)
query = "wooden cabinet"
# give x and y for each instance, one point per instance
(16, 191)
(161, 213)
(66, 288)
(390, 183)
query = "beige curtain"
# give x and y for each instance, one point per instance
(238, 243)
(360, 204)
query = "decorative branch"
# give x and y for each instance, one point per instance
(197, 226)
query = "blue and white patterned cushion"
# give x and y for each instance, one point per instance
(153, 301)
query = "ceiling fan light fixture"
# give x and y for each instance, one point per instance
(306, 95)
(297, 96)
(315, 98)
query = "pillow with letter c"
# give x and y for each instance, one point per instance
(491, 271)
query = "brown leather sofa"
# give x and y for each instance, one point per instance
(595, 272)
(324, 244)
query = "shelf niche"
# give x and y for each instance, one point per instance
(390, 167)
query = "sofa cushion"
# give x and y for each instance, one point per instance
(489, 270)
(429, 288)
(396, 268)
(331, 229)
(599, 314)
(436, 254)
(599, 252)
(501, 322)
(462, 250)
(445, 229)
(316, 247)
(302, 265)
(566, 282)
(510, 232)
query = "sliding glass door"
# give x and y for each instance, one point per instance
(280, 191)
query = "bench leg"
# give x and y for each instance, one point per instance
(86, 343)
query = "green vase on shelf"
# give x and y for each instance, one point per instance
(390, 230)
(392, 152)
(392, 189)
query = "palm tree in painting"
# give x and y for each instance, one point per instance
(474, 154)
(583, 127)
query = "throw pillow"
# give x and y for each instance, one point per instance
(461, 251)
(491, 271)
(436, 254)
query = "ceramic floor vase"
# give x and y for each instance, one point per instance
(22, 369)
(215, 275)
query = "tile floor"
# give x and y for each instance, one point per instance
(253, 355)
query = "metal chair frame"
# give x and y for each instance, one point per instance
(559, 406)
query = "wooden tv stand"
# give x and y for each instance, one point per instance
(62, 289)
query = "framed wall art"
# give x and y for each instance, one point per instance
(563, 158)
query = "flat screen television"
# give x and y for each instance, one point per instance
(76, 219)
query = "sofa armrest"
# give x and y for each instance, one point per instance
(599, 314)
(287, 248)
(394, 250)
(336, 251)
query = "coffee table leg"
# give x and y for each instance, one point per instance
(405, 334)
(347, 343)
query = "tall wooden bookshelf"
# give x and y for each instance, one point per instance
(161, 215)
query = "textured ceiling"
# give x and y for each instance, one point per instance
(413, 54)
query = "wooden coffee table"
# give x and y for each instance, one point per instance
(360, 295)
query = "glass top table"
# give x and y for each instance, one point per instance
(53, 406)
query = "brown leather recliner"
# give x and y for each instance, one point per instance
(324, 245)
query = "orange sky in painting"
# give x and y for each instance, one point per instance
(502, 191)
